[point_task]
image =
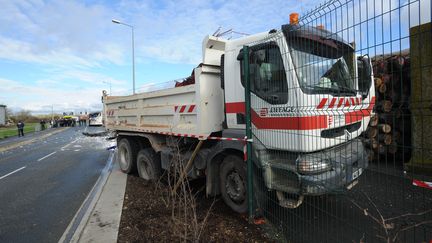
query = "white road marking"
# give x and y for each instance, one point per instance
(13, 172)
(46, 156)
(67, 145)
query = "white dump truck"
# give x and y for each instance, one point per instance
(306, 126)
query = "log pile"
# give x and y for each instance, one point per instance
(389, 132)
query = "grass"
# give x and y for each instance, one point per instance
(12, 131)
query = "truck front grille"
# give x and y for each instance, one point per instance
(339, 131)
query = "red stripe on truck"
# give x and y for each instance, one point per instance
(322, 103)
(332, 103)
(235, 107)
(347, 103)
(341, 100)
(298, 123)
(355, 116)
(289, 123)
(282, 123)
(182, 108)
(353, 101)
(191, 108)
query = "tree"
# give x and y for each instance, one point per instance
(23, 115)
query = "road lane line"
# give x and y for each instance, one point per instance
(13, 172)
(22, 143)
(67, 145)
(46, 156)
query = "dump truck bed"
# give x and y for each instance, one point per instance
(195, 109)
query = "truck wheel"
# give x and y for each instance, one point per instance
(233, 179)
(148, 163)
(127, 152)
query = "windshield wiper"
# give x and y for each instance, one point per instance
(348, 90)
(338, 90)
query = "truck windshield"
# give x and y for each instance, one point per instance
(323, 61)
(320, 74)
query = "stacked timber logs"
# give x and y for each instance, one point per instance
(389, 132)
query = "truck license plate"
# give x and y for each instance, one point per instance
(357, 173)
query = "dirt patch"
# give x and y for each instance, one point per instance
(146, 218)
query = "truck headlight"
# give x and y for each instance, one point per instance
(311, 165)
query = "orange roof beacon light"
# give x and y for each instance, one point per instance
(294, 18)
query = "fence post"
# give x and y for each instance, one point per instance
(248, 132)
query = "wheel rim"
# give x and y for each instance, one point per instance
(235, 187)
(144, 170)
(124, 158)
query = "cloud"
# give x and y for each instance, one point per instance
(91, 77)
(20, 51)
(62, 33)
(172, 31)
(417, 12)
(37, 98)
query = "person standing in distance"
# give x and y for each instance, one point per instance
(20, 126)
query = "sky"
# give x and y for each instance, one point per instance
(59, 55)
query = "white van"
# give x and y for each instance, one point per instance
(95, 119)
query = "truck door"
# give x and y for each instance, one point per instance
(267, 74)
(268, 79)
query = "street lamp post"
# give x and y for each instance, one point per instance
(52, 115)
(105, 82)
(133, 51)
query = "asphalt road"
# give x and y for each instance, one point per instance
(43, 184)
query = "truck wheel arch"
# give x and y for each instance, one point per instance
(215, 160)
(156, 141)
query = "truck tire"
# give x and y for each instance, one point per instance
(127, 153)
(233, 183)
(148, 164)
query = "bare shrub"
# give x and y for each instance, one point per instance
(180, 198)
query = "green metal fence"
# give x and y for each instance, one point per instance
(339, 110)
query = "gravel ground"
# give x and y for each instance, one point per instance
(146, 218)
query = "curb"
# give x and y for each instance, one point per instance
(98, 218)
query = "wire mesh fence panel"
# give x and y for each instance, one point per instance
(340, 115)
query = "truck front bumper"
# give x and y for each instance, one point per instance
(348, 161)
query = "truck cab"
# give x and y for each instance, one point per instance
(311, 98)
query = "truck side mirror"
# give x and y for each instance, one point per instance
(240, 55)
(364, 75)
(366, 65)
